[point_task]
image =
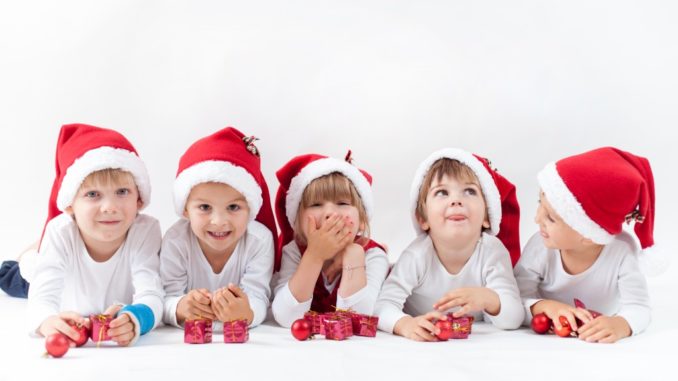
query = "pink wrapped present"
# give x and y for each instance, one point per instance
(337, 327)
(198, 331)
(461, 326)
(364, 325)
(236, 331)
(100, 325)
(316, 321)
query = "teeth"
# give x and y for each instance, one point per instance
(219, 234)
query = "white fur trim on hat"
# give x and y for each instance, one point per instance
(96, 160)
(319, 168)
(217, 172)
(567, 206)
(489, 188)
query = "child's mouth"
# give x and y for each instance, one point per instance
(218, 235)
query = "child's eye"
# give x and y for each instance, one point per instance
(122, 192)
(92, 194)
(470, 192)
(343, 202)
(233, 208)
(314, 205)
(440, 192)
(204, 207)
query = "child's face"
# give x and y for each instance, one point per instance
(218, 215)
(105, 212)
(323, 210)
(556, 233)
(455, 211)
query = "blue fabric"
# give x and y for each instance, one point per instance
(144, 315)
(11, 281)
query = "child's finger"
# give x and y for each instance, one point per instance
(73, 317)
(112, 310)
(65, 328)
(446, 304)
(201, 298)
(237, 291)
(583, 315)
(462, 311)
(425, 334)
(435, 315)
(597, 336)
(119, 321)
(205, 292)
(202, 310)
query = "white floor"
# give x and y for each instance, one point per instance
(489, 354)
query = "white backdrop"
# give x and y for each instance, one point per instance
(521, 82)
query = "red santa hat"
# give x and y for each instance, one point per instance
(597, 191)
(298, 173)
(228, 157)
(500, 196)
(83, 149)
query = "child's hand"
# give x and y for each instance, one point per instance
(419, 328)
(195, 304)
(333, 235)
(471, 299)
(121, 329)
(605, 329)
(554, 309)
(231, 303)
(62, 323)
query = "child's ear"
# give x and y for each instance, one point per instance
(423, 224)
(587, 241)
(140, 204)
(185, 213)
(486, 224)
(69, 210)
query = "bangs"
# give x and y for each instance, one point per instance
(332, 187)
(108, 176)
(451, 168)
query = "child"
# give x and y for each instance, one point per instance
(217, 261)
(101, 252)
(323, 207)
(581, 251)
(461, 204)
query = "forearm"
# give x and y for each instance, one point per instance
(302, 283)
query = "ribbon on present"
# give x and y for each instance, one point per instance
(100, 325)
(364, 325)
(461, 326)
(198, 331)
(338, 328)
(236, 331)
(316, 321)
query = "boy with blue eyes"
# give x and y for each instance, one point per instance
(466, 215)
(100, 254)
(217, 261)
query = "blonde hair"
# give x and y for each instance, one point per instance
(452, 168)
(108, 176)
(332, 187)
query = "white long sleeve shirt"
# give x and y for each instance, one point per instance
(419, 279)
(68, 279)
(613, 285)
(286, 308)
(183, 267)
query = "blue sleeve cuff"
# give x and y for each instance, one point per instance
(143, 314)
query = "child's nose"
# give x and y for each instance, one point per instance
(329, 210)
(108, 205)
(218, 219)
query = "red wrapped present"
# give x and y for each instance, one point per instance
(198, 331)
(236, 331)
(100, 325)
(461, 326)
(364, 325)
(316, 321)
(337, 327)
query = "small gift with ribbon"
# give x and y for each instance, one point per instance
(337, 326)
(364, 325)
(316, 321)
(100, 326)
(236, 331)
(461, 326)
(198, 331)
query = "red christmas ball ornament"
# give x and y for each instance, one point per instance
(301, 329)
(445, 327)
(541, 323)
(83, 331)
(57, 344)
(565, 329)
